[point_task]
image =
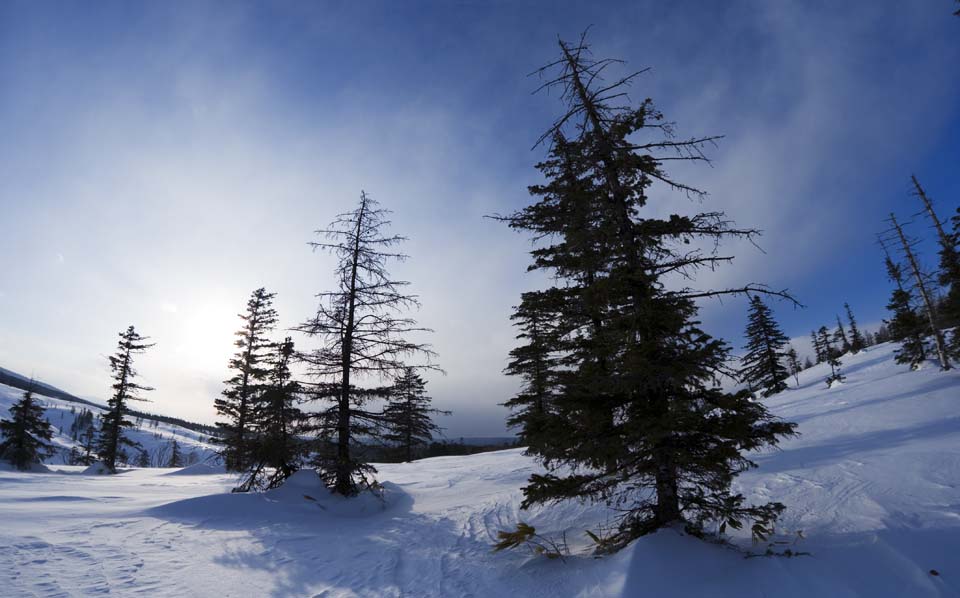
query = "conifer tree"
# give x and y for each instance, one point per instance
(408, 414)
(536, 362)
(949, 271)
(832, 356)
(841, 337)
(237, 401)
(807, 363)
(26, 435)
(364, 336)
(921, 284)
(176, 457)
(857, 342)
(817, 349)
(636, 417)
(793, 361)
(111, 439)
(762, 366)
(278, 450)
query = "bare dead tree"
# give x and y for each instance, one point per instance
(922, 286)
(364, 337)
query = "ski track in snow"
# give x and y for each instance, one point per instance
(873, 485)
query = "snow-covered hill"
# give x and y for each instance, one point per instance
(154, 436)
(873, 485)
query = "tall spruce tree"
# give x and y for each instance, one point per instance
(840, 335)
(111, 439)
(236, 403)
(636, 416)
(537, 363)
(948, 274)
(922, 286)
(817, 349)
(906, 326)
(763, 365)
(364, 336)
(277, 451)
(26, 435)
(857, 342)
(408, 415)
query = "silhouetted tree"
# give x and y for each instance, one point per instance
(277, 450)
(635, 417)
(921, 286)
(363, 335)
(176, 457)
(817, 348)
(841, 337)
(536, 363)
(762, 366)
(236, 402)
(26, 435)
(408, 415)
(857, 342)
(111, 439)
(833, 356)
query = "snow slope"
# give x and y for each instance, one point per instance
(152, 435)
(872, 483)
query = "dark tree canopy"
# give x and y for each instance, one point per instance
(832, 356)
(26, 435)
(364, 336)
(857, 341)
(111, 439)
(762, 368)
(236, 404)
(620, 399)
(277, 449)
(408, 415)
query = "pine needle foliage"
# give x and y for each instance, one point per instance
(629, 410)
(237, 402)
(111, 439)
(26, 435)
(763, 365)
(408, 415)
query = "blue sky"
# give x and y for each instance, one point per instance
(159, 161)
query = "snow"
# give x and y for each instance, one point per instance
(872, 484)
(153, 436)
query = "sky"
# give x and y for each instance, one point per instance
(160, 161)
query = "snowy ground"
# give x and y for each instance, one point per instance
(153, 436)
(872, 484)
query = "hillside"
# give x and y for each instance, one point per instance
(153, 434)
(873, 485)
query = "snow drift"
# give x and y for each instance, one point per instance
(872, 488)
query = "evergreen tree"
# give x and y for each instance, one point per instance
(832, 357)
(807, 363)
(817, 348)
(236, 402)
(762, 366)
(793, 361)
(857, 341)
(143, 459)
(278, 451)
(364, 336)
(27, 434)
(111, 439)
(636, 417)
(176, 457)
(407, 414)
(949, 271)
(841, 337)
(536, 363)
(921, 285)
